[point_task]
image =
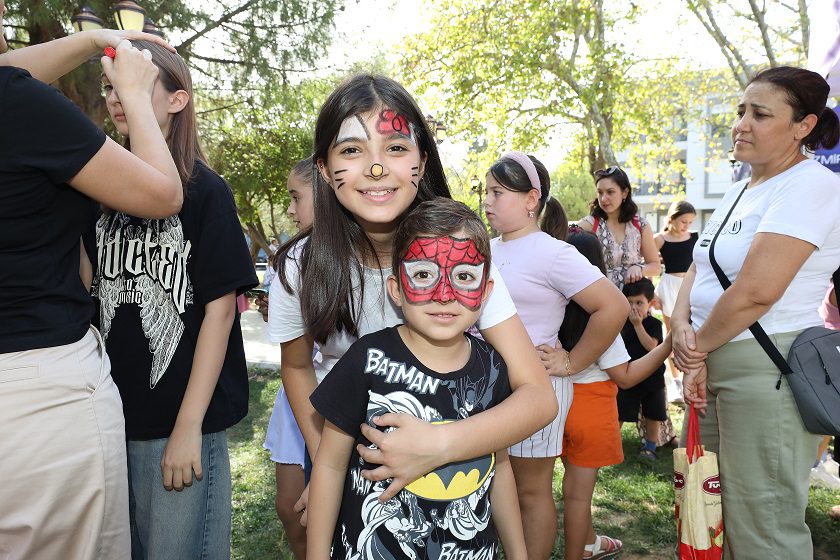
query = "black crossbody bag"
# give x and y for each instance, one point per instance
(813, 364)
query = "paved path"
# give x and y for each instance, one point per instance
(259, 352)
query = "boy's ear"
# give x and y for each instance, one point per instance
(488, 289)
(393, 286)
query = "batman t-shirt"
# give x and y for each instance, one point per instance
(445, 514)
(152, 281)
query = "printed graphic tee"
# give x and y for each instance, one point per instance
(445, 514)
(152, 281)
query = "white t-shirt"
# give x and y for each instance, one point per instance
(285, 320)
(542, 274)
(802, 202)
(614, 355)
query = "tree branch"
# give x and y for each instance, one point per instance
(759, 17)
(712, 29)
(210, 27)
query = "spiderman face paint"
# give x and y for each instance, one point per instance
(442, 269)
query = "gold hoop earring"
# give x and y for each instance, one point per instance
(531, 213)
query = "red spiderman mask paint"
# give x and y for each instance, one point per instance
(442, 269)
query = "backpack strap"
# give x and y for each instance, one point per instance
(595, 221)
(756, 329)
(637, 223)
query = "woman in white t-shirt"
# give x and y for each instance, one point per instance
(543, 274)
(779, 247)
(378, 160)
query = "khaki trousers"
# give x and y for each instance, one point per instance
(63, 475)
(764, 450)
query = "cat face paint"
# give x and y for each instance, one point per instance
(442, 269)
(353, 128)
(391, 123)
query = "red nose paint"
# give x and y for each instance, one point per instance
(110, 52)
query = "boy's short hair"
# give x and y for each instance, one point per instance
(643, 287)
(436, 218)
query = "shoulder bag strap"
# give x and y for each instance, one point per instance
(756, 329)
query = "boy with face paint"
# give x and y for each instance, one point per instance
(430, 368)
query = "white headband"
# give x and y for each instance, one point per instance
(530, 169)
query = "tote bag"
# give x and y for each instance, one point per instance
(697, 493)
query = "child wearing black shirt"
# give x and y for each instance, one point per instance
(429, 368)
(641, 334)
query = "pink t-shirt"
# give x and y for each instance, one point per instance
(542, 274)
(829, 313)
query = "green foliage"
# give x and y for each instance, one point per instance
(633, 501)
(254, 145)
(573, 186)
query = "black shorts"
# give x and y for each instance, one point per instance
(653, 403)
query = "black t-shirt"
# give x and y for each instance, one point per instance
(45, 140)
(653, 327)
(445, 514)
(152, 281)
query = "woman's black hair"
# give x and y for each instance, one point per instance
(555, 222)
(628, 208)
(512, 176)
(806, 93)
(576, 318)
(328, 302)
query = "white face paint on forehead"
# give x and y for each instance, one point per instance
(352, 128)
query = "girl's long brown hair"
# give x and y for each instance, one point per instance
(182, 137)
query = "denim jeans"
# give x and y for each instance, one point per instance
(191, 524)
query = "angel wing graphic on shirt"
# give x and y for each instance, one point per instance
(159, 315)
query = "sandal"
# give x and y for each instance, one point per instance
(603, 548)
(647, 454)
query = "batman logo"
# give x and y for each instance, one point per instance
(453, 480)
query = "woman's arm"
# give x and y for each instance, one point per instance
(684, 340)
(771, 263)
(149, 185)
(416, 448)
(506, 515)
(608, 310)
(50, 61)
(326, 488)
(182, 454)
(299, 380)
(650, 252)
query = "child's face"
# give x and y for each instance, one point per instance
(302, 206)
(507, 210)
(640, 304)
(441, 287)
(164, 104)
(681, 224)
(375, 166)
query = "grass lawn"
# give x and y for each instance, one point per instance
(633, 501)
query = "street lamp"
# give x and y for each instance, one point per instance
(85, 20)
(150, 27)
(438, 128)
(477, 188)
(129, 15)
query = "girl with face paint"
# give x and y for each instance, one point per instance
(378, 160)
(543, 275)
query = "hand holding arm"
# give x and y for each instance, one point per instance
(416, 448)
(683, 337)
(770, 266)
